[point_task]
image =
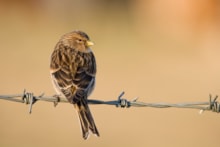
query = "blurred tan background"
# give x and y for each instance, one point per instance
(161, 51)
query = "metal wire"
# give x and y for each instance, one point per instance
(29, 98)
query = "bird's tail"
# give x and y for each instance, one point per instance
(86, 120)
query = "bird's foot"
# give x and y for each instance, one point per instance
(57, 96)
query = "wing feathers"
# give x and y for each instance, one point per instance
(72, 69)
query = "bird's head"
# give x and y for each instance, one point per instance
(77, 40)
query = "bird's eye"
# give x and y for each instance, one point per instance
(80, 40)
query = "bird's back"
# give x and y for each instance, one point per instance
(73, 72)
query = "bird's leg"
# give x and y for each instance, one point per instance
(57, 96)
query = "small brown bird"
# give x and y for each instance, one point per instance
(73, 70)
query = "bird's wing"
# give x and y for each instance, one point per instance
(85, 74)
(63, 68)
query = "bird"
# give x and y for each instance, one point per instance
(73, 74)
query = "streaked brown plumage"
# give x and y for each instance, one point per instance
(73, 70)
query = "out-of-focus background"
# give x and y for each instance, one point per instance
(161, 51)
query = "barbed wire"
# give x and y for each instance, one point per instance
(29, 98)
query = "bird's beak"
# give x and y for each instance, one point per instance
(89, 43)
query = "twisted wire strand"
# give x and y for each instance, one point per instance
(29, 98)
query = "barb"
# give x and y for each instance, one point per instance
(31, 99)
